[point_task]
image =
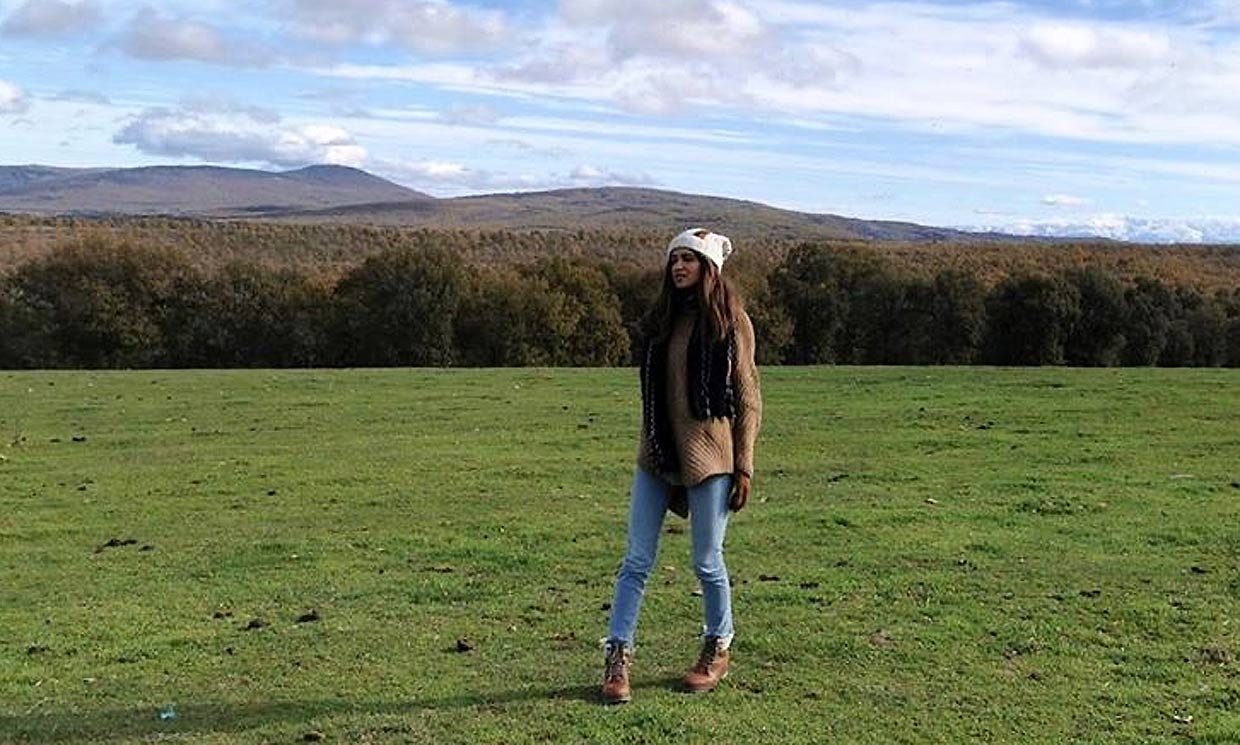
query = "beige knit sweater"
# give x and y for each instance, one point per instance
(709, 446)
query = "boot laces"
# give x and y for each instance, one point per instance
(710, 652)
(616, 662)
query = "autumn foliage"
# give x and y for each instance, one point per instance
(103, 301)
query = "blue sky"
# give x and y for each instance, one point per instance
(1020, 116)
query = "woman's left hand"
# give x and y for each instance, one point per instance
(740, 492)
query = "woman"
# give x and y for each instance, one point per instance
(701, 408)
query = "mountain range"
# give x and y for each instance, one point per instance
(199, 191)
(339, 194)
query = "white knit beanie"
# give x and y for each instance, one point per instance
(713, 246)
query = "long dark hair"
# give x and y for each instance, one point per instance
(718, 301)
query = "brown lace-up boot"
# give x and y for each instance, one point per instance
(618, 658)
(711, 667)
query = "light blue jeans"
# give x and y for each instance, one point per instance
(708, 522)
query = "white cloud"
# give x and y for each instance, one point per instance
(601, 123)
(238, 138)
(694, 29)
(12, 99)
(558, 63)
(1129, 228)
(794, 102)
(442, 170)
(1063, 200)
(814, 65)
(993, 66)
(587, 175)
(51, 18)
(447, 178)
(425, 26)
(152, 36)
(668, 56)
(646, 87)
(1080, 45)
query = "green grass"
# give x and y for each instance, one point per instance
(933, 555)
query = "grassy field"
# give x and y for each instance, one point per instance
(933, 555)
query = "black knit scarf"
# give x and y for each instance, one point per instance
(709, 369)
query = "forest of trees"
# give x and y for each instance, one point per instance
(107, 303)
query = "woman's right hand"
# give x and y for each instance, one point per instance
(740, 491)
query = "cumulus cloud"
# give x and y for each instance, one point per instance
(558, 63)
(1077, 45)
(12, 99)
(671, 28)
(425, 26)
(649, 88)
(814, 65)
(997, 66)
(51, 18)
(666, 56)
(155, 37)
(1063, 200)
(1009, 67)
(238, 138)
(978, 65)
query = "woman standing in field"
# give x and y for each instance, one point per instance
(701, 407)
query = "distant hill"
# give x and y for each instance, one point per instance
(28, 179)
(339, 195)
(191, 191)
(613, 208)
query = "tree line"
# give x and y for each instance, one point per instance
(106, 303)
(337, 247)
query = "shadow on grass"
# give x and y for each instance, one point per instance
(237, 717)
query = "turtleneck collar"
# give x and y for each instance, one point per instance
(687, 300)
